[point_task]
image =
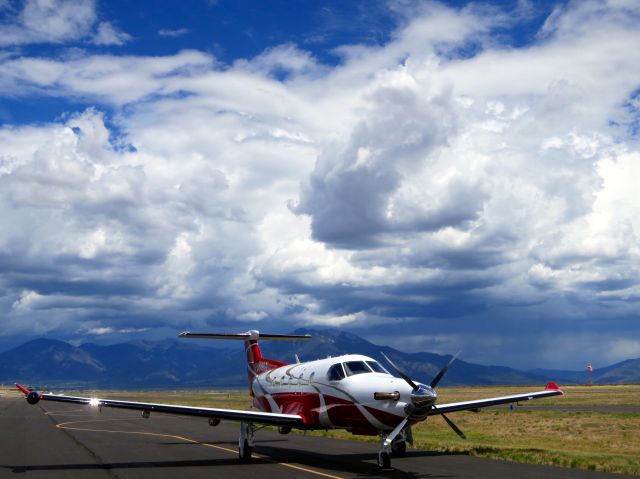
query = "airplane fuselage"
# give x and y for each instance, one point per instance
(326, 399)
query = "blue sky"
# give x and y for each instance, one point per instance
(431, 175)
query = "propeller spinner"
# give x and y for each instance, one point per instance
(423, 400)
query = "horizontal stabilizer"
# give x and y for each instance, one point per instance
(249, 335)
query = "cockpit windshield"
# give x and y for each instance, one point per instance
(350, 368)
(356, 367)
(376, 367)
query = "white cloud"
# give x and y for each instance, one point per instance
(100, 331)
(283, 59)
(107, 34)
(49, 21)
(165, 32)
(407, 184)
(113, 79)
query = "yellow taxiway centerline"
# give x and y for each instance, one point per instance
(65, 425)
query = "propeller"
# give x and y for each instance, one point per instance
(422, 397)
(401, 373)
(443, 371)
(455, 428)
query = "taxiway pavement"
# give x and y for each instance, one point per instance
(55, 440)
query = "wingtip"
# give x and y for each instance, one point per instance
(552, 386)
(24, 390)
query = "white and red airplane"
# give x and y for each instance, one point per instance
(351, 392)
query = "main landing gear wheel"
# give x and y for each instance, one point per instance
(398, 448)
(245, 451)
(245, 442)
(384, 460)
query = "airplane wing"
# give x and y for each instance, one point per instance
(552, 389)
(270, 418)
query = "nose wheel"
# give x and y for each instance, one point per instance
(398, 447)
(384, 455)
(384, 460)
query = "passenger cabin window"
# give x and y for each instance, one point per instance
(335, 373)
(376, 367)
(356, 367)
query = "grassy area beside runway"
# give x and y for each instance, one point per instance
(574, 430)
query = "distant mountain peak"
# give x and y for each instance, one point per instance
(171, 362)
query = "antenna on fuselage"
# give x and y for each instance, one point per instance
(297, 358)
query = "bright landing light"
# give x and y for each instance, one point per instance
(94, 402)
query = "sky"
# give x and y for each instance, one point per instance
(433, 176)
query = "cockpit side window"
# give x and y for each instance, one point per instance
(335, 373)
(356, 367)
(377, 368)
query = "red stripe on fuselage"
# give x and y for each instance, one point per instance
(386, 418)
(342, 413)
(261, 403)
(306, 405)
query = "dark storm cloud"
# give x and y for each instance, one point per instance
(44, 285)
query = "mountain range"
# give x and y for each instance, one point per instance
(193, 363)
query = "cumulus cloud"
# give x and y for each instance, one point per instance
(357, 191)
(487, 196)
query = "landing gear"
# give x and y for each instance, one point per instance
(399, 443)
(245, 451)
(398, 447)
(384, 460)
(393, 446)
(245, 443)
(384, 455)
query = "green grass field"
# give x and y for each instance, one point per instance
(596, 428)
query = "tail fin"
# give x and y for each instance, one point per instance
(256, 363)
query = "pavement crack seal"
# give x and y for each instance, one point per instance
(81, 444)
(67, 425)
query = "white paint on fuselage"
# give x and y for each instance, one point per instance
(311, 378)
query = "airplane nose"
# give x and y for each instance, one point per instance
(424, 395)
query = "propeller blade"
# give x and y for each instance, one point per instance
(401, 373)
(443, 371)
(451, 424)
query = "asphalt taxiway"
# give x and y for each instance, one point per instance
(55, 440)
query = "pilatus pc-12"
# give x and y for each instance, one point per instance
(351, 392)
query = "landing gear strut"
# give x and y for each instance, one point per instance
(384, 455)
(245, 442)
(397, 447)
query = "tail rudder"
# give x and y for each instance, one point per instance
(256, 362)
